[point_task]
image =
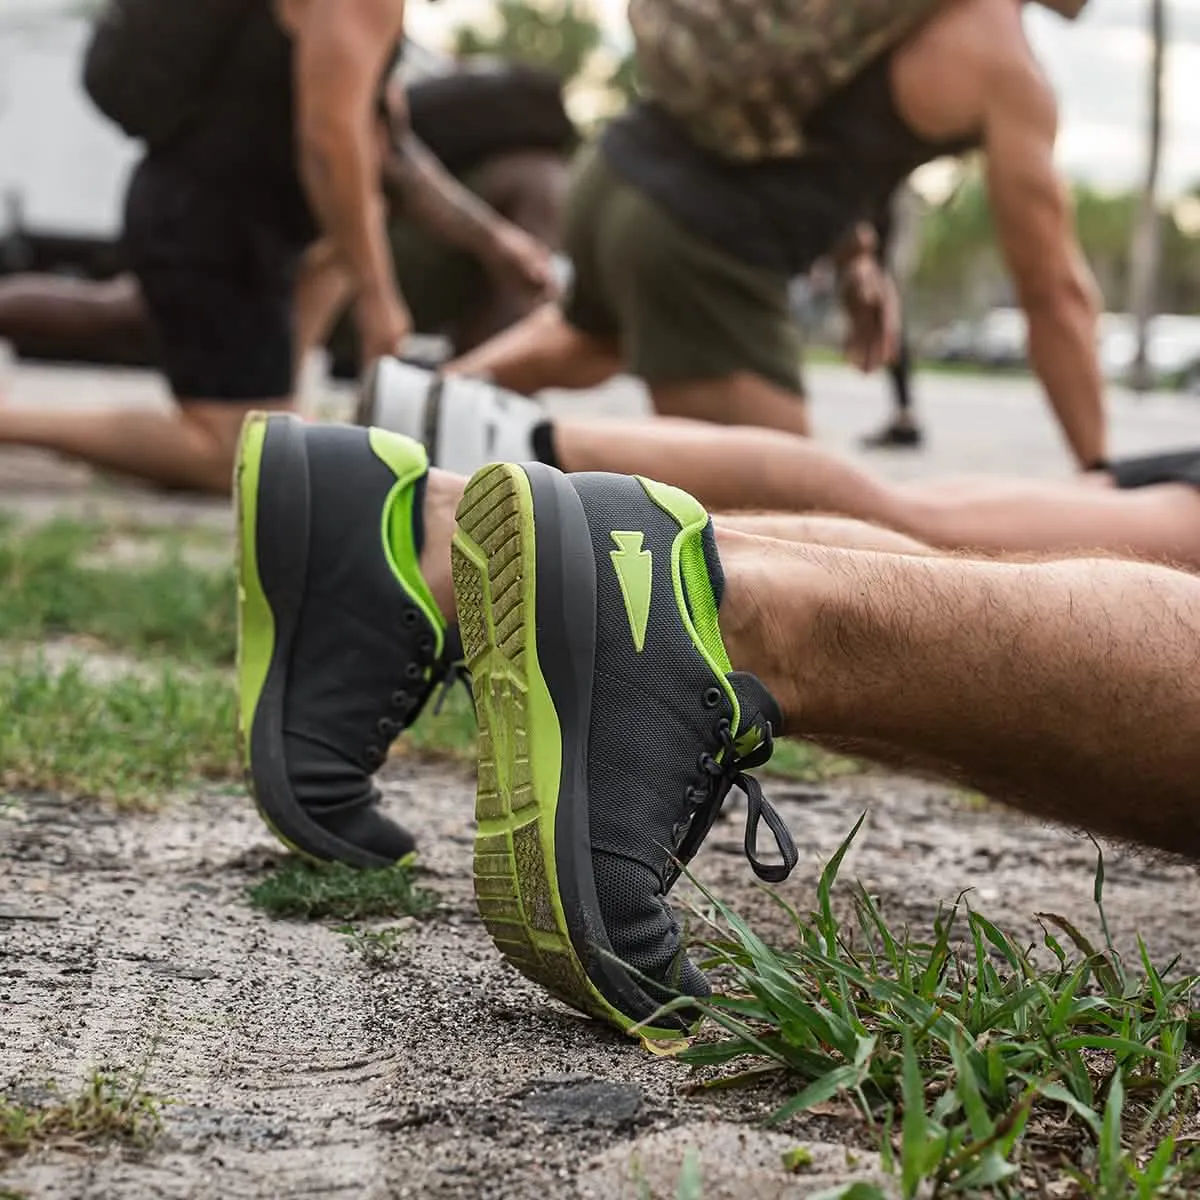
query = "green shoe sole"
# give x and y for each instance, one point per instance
(532, 869)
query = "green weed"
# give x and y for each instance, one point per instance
(301, 889)
(378, 948)
(108, 1108)
(974, 1064)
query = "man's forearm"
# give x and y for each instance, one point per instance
(1062, 351)
(341, 172)
(425, 191)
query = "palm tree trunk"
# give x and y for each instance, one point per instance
(1145, 248)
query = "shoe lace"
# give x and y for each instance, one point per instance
(411, 696)
(450, 675)
(722, 772)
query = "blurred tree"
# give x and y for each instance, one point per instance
(960, 272)
(562, 36)
(559, 35)
(1147, 244)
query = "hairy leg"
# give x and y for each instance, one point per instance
(1069, 688)
(192, 448)
(733, 468)
(53, 316)
(743, 468)
(542, 351)
(824, 530)
(741, 399)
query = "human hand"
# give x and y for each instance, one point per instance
(872, 308)
(517, 257)
(384, 324)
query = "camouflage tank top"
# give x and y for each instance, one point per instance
(742, 76)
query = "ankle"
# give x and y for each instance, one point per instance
(775, 594)
(442, 494)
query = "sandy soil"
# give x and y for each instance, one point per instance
(293, 1069)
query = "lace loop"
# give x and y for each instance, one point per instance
(722, 775)
(759, 808)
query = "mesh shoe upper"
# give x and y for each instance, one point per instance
(670, 722)
(370, 643)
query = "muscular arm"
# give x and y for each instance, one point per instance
(419, 186)
(1036, 230)
(342, 48)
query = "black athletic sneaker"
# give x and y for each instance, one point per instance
(611, 728)
(339, 641)
(894, 436)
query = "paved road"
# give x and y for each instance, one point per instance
(997, 425)
(974, 423)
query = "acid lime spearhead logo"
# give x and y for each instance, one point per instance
(635, 573)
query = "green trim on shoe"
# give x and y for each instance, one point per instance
(693, 585)
(410, 462)
(255, 621)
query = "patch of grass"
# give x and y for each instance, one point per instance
(301, 889)
(979, 1067)
(108, 1108)
(808, 762)
(164, 605)
(129, 740)
(378, 948)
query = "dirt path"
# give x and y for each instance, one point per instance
(295, 1070)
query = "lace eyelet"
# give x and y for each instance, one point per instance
(724, 729)
(412, 671)
(400, 699)
(425, 645)
(386, 728)
(374, 755)
(712, 697)
(706, 762)
(410, 617)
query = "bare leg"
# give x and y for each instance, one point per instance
(741, 399)
(754, 469)
(823, 530)
(48, 315)
(542, 351)
(1068, 688)
(528, 188)
(728, 469)
(192, 448)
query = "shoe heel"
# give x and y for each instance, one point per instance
(255, 624)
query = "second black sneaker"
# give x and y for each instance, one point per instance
(612, 727)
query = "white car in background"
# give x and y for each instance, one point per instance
(1172, 348)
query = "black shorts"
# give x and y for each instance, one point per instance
(1177, 466)
(219, 286)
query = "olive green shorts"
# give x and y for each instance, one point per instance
(679, 309)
